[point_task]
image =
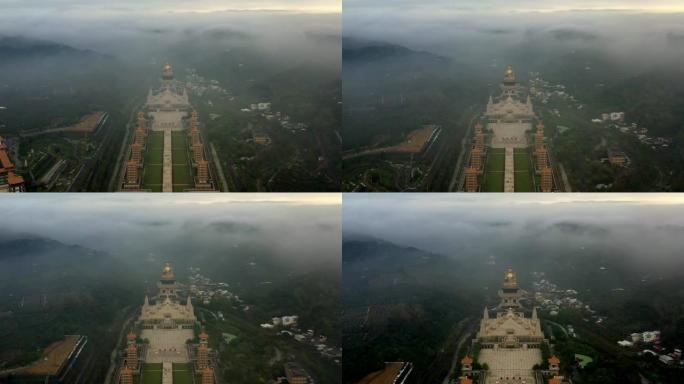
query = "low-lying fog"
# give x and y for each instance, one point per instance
(642, 230)
(143, 31)
(298, 229)
(637, 35)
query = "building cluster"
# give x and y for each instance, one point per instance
(199, 161)
(166, 112)
(198, 85)
(287, 326)
(639, 132)
(294, 374)
(649, 343)
(544, 91)
(136, 156)
(476, 160)
(204, 289)
(132, 361)
(263, 109)
(203, 363)
(509, 118)
(542, 162)
(552, 299)
(167, 326)
(9, 180)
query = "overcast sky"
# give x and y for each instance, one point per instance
(297, 226)
(132, 7)
(645, 226)
(488, 6)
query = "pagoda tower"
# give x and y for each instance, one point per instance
(476, 158)
(471, 184)
(204, 338)
(479, 141)
(139, 136)
(467, 365)
(132, 356)
(509, 76)
(207, 376)
(167, 283)
(509, 293)
(142, 121)
(542, 158)
(202, 356)
(195, 136)
(202, 172)
(194, 118)
(197, 152)
(136, 152)
(554, 365)
(132, 172)
(478, 128)
(538, 140)
(126, 376)
(546, 179)
(167, 72)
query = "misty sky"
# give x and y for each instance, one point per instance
(138, 30)
(133, 7)
(296, 227)
(462, 29)
(648, 227)
(504, 6)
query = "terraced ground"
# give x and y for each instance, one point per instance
(152, 173)
(152, 373)
(523, 174)
(182, 373)
(182, 169)
(494, 170)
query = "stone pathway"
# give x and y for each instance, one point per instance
(167, 373)
(509, 171)
(167, 183)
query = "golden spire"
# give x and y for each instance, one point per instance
(167, 273)
(167, 72)
(509, 76)
(510, 277)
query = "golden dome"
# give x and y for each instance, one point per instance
(510, 276)
(167, 72)
(167, 273)
(509, 75)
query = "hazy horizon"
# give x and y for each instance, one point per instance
(298, 228)
(644, 229)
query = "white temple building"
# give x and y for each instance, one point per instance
(167, 322)
(510, 342)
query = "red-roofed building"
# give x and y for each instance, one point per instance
(9, 181)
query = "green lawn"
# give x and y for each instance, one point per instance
(494, 172)
(523, 177)
(152, 178)
(182, 373)
(583, 360)
(152, 174)
(182, 170)
(152, 373)
(155, 148)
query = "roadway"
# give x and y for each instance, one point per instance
(465, 336)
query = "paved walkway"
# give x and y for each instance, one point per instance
(509, 171)
(167, 373)
(167, 345)
(510, 366)
(167, 183)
